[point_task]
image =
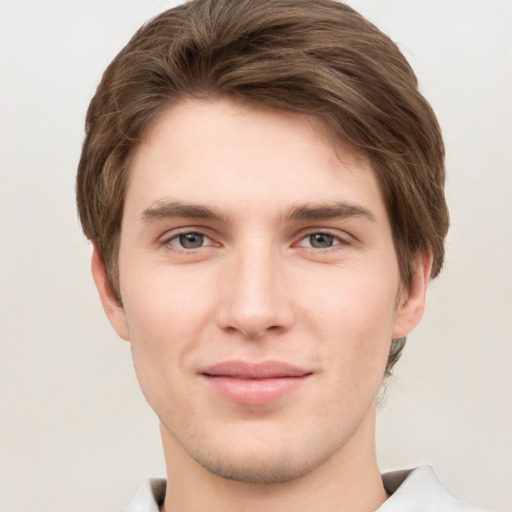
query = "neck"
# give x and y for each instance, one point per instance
(349, 481)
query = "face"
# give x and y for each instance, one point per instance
(260, 288)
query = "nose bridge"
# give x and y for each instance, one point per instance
(255, 300)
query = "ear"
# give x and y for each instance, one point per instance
(115, 312)
(412, 301)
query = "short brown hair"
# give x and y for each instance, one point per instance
(316, 57)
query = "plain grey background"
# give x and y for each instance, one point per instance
(75, 432)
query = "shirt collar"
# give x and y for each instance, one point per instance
(411, 490)
(419, 490)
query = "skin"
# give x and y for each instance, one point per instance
(262, 188)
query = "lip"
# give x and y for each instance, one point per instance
(254, 384)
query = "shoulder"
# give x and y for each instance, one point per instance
(419, 490)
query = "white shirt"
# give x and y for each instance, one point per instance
(411, 490)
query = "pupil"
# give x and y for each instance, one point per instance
(191, 240)
(321, 240)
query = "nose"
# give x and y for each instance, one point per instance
(255, 300)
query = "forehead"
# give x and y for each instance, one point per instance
(238, 157)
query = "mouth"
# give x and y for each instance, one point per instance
(254, 384)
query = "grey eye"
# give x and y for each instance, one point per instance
(191, 240)
(321, 240)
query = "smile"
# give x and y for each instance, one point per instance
(254, 384)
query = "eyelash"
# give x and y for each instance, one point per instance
(337, 241)
(176, 237)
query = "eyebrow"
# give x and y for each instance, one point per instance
(306, 211)
(335, 210)
(166, 209)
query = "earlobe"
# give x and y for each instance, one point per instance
(411, 307)
(114, 311)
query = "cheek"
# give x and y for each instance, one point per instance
(353, 310)
(164, 327)
(360, 298)
(163, 300)
(165, 314)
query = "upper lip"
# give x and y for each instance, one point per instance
(261, 370)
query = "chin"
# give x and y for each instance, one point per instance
(269, 459)
(258, 470)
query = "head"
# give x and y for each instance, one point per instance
(318, 60)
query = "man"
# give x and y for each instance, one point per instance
(263, 186)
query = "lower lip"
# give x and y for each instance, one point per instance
(255, 391)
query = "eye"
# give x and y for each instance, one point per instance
(191, 240)
(319, 241)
